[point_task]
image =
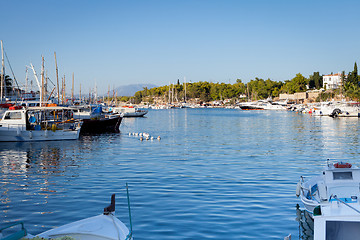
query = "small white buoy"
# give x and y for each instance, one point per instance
(152, 138)
(136, 134)
(147, 138)
(129, 134)
(158, 138)
(140, 134)
(141, 138)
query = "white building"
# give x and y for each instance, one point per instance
(332, 81)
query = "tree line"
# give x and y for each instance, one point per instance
(255, 89)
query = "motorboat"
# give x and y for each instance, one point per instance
(332, 199)
(101, 227)
(130, 111)
(251, 106)
(262, 105)
(38, 124)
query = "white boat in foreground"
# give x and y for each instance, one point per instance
(332, 198)
(102, 227)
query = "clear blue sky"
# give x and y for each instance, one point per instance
(159, 41)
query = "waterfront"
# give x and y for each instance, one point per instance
(215, 173)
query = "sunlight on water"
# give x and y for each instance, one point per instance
(215, 173)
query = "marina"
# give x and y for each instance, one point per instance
(203, 180)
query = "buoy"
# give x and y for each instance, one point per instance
(140, 134)
(158, 138)
(129, 134)
(147, 138)
(152, 138)
(141, 138)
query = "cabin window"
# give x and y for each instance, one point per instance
(13, 115)
(342, 175)
(340, 230)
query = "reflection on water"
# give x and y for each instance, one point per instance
(215, 174)
(306, 224)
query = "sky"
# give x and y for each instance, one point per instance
(114, 43)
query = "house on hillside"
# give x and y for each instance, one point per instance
(332, 81)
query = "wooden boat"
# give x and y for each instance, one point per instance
(106, 123)
(38, 124)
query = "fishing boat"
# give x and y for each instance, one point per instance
(103, 124)
(332, 199)
(101, 227)
(94, 120)
(38, 124)
(130, 111)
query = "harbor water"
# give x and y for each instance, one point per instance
(215, 173)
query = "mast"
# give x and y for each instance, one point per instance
(42, 82)
(2, 72)
(57, 79)
(63, 91)
(185, 87)
(26, 80)
(72, 90)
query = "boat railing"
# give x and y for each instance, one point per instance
(341, 201)
(14, 236)
(15, 126)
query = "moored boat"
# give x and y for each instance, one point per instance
(106, 123)
(101, 227)
(38, 124)
(130, 111)
(332, 199)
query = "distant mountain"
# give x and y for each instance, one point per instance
(130, 90)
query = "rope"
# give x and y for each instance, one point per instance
(117, 230)
(346, 204)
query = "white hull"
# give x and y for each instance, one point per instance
(135, 114)
(17, 135)
(101, 227)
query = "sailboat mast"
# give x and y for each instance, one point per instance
(80, 94)
(185, 87)
(42, 82)
(57, 79)
(72, 90)
(2, 72)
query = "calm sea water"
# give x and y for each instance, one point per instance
(215, 173)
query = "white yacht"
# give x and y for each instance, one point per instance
(130, 111)
(332, 199)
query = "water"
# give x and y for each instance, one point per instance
(215, 173)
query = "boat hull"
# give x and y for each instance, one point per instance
(102, 125)
(17, 135)
(99, 227)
